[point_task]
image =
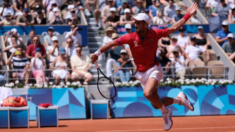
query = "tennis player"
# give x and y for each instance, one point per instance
(143, 44)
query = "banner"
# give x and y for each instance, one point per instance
(70, 102)
(207, 100)
(42, 30)
(232, 28)
(188, 28)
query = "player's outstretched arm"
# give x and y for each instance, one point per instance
(106, 47)
(190, 11)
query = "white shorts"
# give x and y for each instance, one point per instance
(154, 72)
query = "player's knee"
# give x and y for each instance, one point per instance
(148, 93)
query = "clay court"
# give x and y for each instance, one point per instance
(181, 124)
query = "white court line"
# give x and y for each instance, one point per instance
(192, 128)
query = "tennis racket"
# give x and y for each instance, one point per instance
(105, 80)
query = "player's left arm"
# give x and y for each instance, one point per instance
(190, 11)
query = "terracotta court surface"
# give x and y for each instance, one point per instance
(181, 124)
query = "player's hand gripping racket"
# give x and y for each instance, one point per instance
(101, 80)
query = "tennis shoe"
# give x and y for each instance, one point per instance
(185, 101)
(168, 122)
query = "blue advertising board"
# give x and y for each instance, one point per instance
(207, 100)
(70, 102)
(188, 28)
(232, 28)
(42, 30)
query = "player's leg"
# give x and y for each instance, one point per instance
(150, 90)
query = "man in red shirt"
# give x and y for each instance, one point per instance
(143, 44)
(30, 52)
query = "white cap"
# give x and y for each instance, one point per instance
(127, 10)
(230, 35)
(128, 26)
(13, 30)
(141, 17)
(177, 8)
(174, 37)
(123, 51)
(7, 13)
(70, 6)
(225, 23)
(54, 38)
(55, 9)
(113, 9)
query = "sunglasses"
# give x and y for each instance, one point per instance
(35, 40)
(69, 42)
(55, 41)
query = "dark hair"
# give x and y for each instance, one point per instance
(14, 37)
(79, 46)
(19, 47)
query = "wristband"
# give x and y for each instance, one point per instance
(98, 53)
(186, 17)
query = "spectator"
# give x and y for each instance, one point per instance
(211, 4)
(70, 48)
(178, 63)
(114, 56)
(169, 11)
(54, 49)
(221, 9)
(164, 42)
(36, 5)
(48, 4)
(128, 28)
(231, 16)
(55, 8)
(30, 52)
(56, 18)
(138, 8)
(164, 61)
(172, 46)
(20, 65)
(193, 52)
(125, 5)
(229, 47)
(8, 21)
(32, 34)
(178, 15)
(19, 13)
(13, 32)
(47, 38)
(2, 63)
(6, 8)
(61, 63)
(11, 48)
(105, 12)
(74, 34)
(201, 38)
(39, 18)
(92, 3)
(108, 35)
(159, 19)
(153, 9)
(221, 36)
(124, 67)
(25, 19)
(183, 40)
(38, 64)
(78, 5)
(194, 19)
(19, 3)
(113, 19)
(80, 65)
(72, 19)
(126, 18)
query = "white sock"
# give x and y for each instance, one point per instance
(176, 101)
(163, 109)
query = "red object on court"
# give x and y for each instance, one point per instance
(14, 102)
(45, 105)
(144, 49)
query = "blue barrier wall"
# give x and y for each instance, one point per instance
(42, 30)
(207, 100)
(70, 102)
(188, 28)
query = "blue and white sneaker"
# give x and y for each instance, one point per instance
(185, 101)
(168, 122)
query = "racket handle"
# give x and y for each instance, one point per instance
(96, 65)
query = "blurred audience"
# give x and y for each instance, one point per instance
(6, 8)
(61, 66)
(39, 19)
(70, 48)
(231, 15)
(48, 37)
(125, 5)
(54, 49)
(221, 9)
(169, 11)
(178, 63)
(108, 35)
(18, 3)
(30, 52)
(201, 38)
(8, 20)
(56, 17)
(183, 40)
(172, 46)
(13, 32)
(81, 65)
(155, 8)
(126, 18)
(25, 19)
(124, 66)
(164, 42)
(229, 47)
(113, 19)
(139, 7)
(194, 19)
(74, 34)
(32, 34)
(159, 19)
(2, 63)
(105, 12)
(221, 36)
(178, 15)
